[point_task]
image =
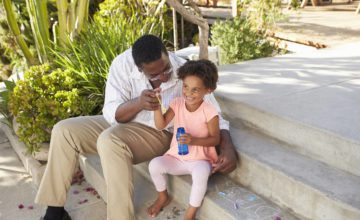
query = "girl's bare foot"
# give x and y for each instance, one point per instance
(190, 213)
(162, 201)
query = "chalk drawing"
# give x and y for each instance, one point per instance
(248, 205)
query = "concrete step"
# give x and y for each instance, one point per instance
(300, 99)
(144, 196)
(224, 199)
(310, 188)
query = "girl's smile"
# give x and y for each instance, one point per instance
(193, 92)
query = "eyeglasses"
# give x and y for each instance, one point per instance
(159, 76)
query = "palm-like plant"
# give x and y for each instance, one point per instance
(92, 52)
(11, 19)
(37, 10)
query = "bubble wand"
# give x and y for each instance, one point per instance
(163, 109)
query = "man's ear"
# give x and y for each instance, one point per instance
(209, 91)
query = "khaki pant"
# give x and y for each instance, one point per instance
(119, 147)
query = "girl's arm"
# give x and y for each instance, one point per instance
(162, 120)
(212, 140)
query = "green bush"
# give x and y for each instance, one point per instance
(262, 14)
(91, 54)
(239, 41)
(4, 102)
(41, 99)
(148, 12)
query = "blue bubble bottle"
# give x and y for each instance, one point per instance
(182, 148)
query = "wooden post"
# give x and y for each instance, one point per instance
(175, 27)
(234, 8)
(182, 33)
(195, 19)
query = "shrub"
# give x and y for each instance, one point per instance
(262, 14)
(152, 13)
(239, 41)
(91, 54)
(4, 102)
(43, 98)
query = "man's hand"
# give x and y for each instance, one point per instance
(228, 158)
(148, 100)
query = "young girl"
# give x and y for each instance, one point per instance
(201, 122)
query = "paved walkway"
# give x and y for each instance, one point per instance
(332, 28)
(321, 89)
(17, 192)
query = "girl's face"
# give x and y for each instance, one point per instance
(194, 92)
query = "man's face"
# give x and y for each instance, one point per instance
(158, 70)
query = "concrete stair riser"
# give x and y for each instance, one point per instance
(92, 175)
(179, 188)
(290, 193)
(218, 204)
(91, 168)
(309, 141)
(182, 192)
(32, 166)
(214, 206)
(308, 187)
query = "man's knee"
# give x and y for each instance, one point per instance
(63, 126)
(110, 144)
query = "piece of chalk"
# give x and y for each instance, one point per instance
(235, 206)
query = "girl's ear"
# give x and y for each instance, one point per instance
(209, 91)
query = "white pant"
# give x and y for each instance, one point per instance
(200, 171)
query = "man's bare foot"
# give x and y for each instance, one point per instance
(190, 213)
(162, 200)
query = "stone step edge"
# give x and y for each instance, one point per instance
(182, 193)
(95, 177)
(268, 184)
(31, 165)
(142, 199)
(296, 134)
(182, 185)
(214, 200)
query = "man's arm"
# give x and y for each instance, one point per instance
(126, 111)
(228, 156)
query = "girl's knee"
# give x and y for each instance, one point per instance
(201, 172)
(156, 165)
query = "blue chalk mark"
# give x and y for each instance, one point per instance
(251, 198)
(222, 193)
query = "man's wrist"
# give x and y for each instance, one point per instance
(225, 140)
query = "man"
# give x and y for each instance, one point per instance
(125, 134)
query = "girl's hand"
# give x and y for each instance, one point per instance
(185, 139)
(157, 90)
